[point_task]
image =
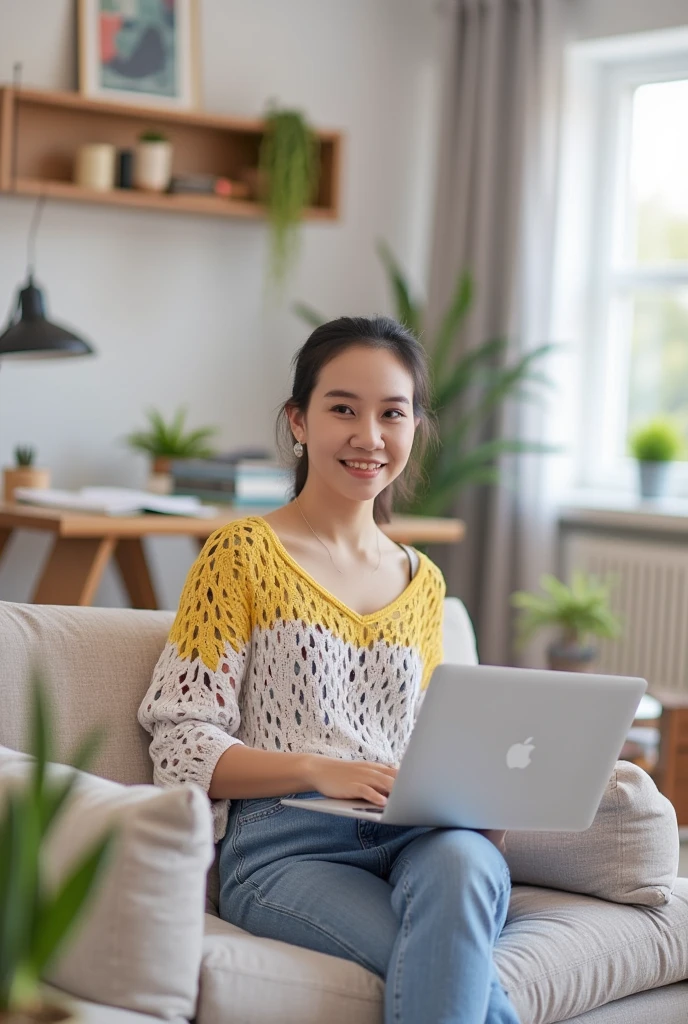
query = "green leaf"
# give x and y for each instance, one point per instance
(19, 884)
(408, 312)
(59, 912)
(308, 314)
(452, 321)
(463, 374)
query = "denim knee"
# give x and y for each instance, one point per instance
(457, 858)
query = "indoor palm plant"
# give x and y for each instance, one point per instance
(580, 611)
(288, 173)
(35, 920)
(166, 441)
(655, 445)
(469, 387)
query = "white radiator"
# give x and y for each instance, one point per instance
(650, 595)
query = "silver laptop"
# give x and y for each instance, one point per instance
(505, 748)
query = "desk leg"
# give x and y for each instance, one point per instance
(74, 570)
(131, 559)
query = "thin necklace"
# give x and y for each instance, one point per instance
(379, 553)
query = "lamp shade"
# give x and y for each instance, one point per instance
(30, 335)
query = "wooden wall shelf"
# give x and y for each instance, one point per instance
(41, 131)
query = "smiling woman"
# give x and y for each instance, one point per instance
(297, 664)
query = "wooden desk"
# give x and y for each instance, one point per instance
(84, 544)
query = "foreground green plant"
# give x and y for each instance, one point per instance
(469, 389)
(658, 440)
(289, 165)
(34, 923)
(171, 439)
(581, 610)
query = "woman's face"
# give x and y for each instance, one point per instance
(360, 412)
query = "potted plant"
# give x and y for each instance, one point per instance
(655, 445)
(166, 441)
(469, 387)
(580, 611)
(35, 920)
(152, 162)
(24, 473)
(287, 181)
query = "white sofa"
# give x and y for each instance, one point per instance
(561, 956)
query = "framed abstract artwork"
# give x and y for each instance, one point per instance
(140, 51)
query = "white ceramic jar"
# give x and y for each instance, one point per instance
(94, 167)
(152, 166)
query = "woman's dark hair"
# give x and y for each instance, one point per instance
(326, 342)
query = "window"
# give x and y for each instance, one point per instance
(634, 288)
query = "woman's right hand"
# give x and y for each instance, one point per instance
(350, 780)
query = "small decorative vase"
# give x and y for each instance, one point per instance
(23, 476)
(94, 167)
(152, 166)
(566, 657)
(653, 478)
(160, 478)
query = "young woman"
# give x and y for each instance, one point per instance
(296, 666)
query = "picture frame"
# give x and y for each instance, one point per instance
(142, 52)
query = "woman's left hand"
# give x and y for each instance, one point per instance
(496, 836)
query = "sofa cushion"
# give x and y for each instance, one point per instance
(138, 944)
(98, 664)
(628, 855)
(559, 955)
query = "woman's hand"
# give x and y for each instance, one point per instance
(350, 780)
(496, 836)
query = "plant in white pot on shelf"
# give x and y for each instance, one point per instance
(36, 918)
(24, 473)
(655, 445)
(152, 162)
(166, 441)
(581, 611)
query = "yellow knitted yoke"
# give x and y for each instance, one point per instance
(260, 653)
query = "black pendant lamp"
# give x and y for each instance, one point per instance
(29, 334)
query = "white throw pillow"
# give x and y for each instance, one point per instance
(138, 943)
(628, 855)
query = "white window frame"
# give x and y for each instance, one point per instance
(602, 77)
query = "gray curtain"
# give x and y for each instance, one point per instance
(495, 215)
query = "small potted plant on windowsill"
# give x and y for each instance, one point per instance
(166, 441)
(24, 473)
(580, 611)
(655, 444)
(36, 918)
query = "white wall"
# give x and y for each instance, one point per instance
(175, 305)
(598, 18)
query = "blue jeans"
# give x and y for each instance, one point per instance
(420, 907)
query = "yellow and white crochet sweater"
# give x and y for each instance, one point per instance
(261, 654)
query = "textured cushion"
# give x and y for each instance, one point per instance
(138, 945)
(628, 855)
(98, 664)
(559, 955)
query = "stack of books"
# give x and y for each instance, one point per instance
(233, 480)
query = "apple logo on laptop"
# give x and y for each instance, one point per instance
(518, 755)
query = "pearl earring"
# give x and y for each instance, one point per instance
(298, 450)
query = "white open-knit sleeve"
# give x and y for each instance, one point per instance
(192, 706)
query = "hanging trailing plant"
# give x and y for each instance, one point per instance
(289, 164)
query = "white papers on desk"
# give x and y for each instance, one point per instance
(115, 501)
